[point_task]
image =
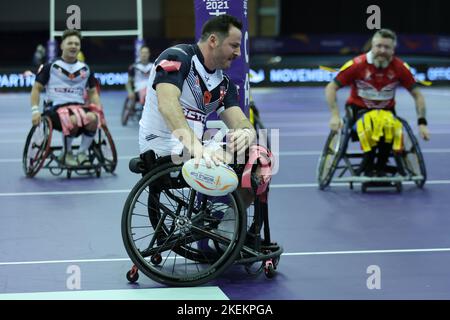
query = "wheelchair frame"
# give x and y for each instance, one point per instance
(410, 160)
(46, 153)
(128, 113)
(183, 237)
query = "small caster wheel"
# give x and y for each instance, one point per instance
(133, 275)
(69, 174)
(351, 185)
(98, 172)
(399, 187)
(269, 269)
(156, 259)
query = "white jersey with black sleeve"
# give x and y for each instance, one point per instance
(140, 73)
(203, 91)
(65, 82)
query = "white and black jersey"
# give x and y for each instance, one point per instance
(65, 82)
(203, 91)
(140, 73)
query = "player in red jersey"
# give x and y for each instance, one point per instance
(374, 77)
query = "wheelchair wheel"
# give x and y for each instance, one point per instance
(165, 226)
(329, 159)
(413, 159)
(105, 150)
(37, 147)
(127, 112)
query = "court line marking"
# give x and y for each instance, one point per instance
(196, 293)
(283, 153)
(273, 186)
(308, 253)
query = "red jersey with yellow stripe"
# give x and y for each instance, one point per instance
(372, 87)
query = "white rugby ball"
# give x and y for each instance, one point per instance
(215, 181)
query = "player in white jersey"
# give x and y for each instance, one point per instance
(65, 80)
(186, 84)
(138, 74)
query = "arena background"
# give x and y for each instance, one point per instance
(289, 40)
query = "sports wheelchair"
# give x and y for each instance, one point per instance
(336, 160)
(180, 237)
(133, 111)
(39, 152)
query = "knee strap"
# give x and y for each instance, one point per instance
(64, 118)
(142, 94)
(79, 113)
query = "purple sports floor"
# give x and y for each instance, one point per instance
(333, 239)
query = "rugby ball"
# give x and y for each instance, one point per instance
(215, 181)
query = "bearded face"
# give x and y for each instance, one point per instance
(383, 51)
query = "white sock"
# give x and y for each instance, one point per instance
(69, 141)
(85, 143)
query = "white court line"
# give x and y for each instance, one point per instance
(310, 253)
(283, 153)
(119, 191)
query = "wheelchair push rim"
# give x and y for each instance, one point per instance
(126, 112)
(37, 147)
(163, 232)
(105, 150)
(413, 157)
(329, 158)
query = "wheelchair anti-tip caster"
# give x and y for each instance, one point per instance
(269, 269)
(156, 259)
(133, 274)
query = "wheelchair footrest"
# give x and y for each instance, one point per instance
(363, 179)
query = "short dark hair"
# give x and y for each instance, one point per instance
(221, 25)
(71, 32)
(386, 33)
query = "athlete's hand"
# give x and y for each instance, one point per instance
(131, 96)
(424, 133)
(208, 155)
(241, 139)
(335, 123)
(36, 118)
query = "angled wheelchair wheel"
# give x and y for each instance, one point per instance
(329, 158)
(174, 235)
(37, 147)
(105, 149)
(127, 112)
(412, 158)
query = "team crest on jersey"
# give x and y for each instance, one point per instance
(390, 75)
(71, 76)
(368, 75)
(207, 97)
